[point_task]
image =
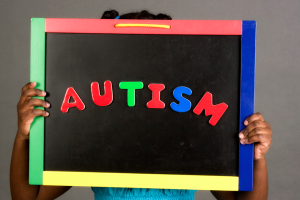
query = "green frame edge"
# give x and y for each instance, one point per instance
(37, 74)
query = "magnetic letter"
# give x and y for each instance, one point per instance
(184, 104)
(131, 87)
(156, 102)
(102, 100)
(215, 110)
(77, 101)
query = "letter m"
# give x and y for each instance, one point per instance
(215, 110)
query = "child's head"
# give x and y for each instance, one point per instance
(112, 14)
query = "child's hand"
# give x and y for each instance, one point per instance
(26, 111)
(259, 132)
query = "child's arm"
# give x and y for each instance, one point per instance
(259, 132)
(19, 186)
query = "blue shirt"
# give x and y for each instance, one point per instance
(104, 193)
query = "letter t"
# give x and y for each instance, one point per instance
(131, 87)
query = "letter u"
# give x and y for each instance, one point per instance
(102, 100)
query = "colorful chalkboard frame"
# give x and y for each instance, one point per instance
(247, 29)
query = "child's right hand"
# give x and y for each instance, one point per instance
(25, 108)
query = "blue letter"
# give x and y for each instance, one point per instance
(184, 104)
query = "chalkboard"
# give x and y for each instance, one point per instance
(122, 139)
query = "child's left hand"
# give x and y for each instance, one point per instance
(259, 132)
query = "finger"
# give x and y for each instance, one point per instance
(260, 131)
(31, 93)
(37, 102)
(31, 103)
(256, 138)
(253, 117)
(32, 113)
(28, 86)
(255, 124)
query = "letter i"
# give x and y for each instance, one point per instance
(156, 102)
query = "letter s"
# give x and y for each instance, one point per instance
(184, 104)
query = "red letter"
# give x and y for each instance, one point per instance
(215, 110)
(156, 102)
(77, 101)
(102, 100)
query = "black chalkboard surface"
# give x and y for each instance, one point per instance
(118, 138)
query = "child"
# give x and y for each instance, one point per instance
(257, 131)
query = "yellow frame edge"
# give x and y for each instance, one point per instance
(131, 180)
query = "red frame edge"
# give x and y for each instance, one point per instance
(178, 27)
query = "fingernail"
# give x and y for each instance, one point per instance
(242, 141)
(246, 122)
(241, 135)
(43, 93)
(47, 104)
(47, 114)
(32, 83)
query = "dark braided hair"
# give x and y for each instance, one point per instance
(112, 14)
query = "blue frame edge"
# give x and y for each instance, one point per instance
(246, 152)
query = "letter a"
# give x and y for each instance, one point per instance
(77, 101)
(102, 100)
(215, 110)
